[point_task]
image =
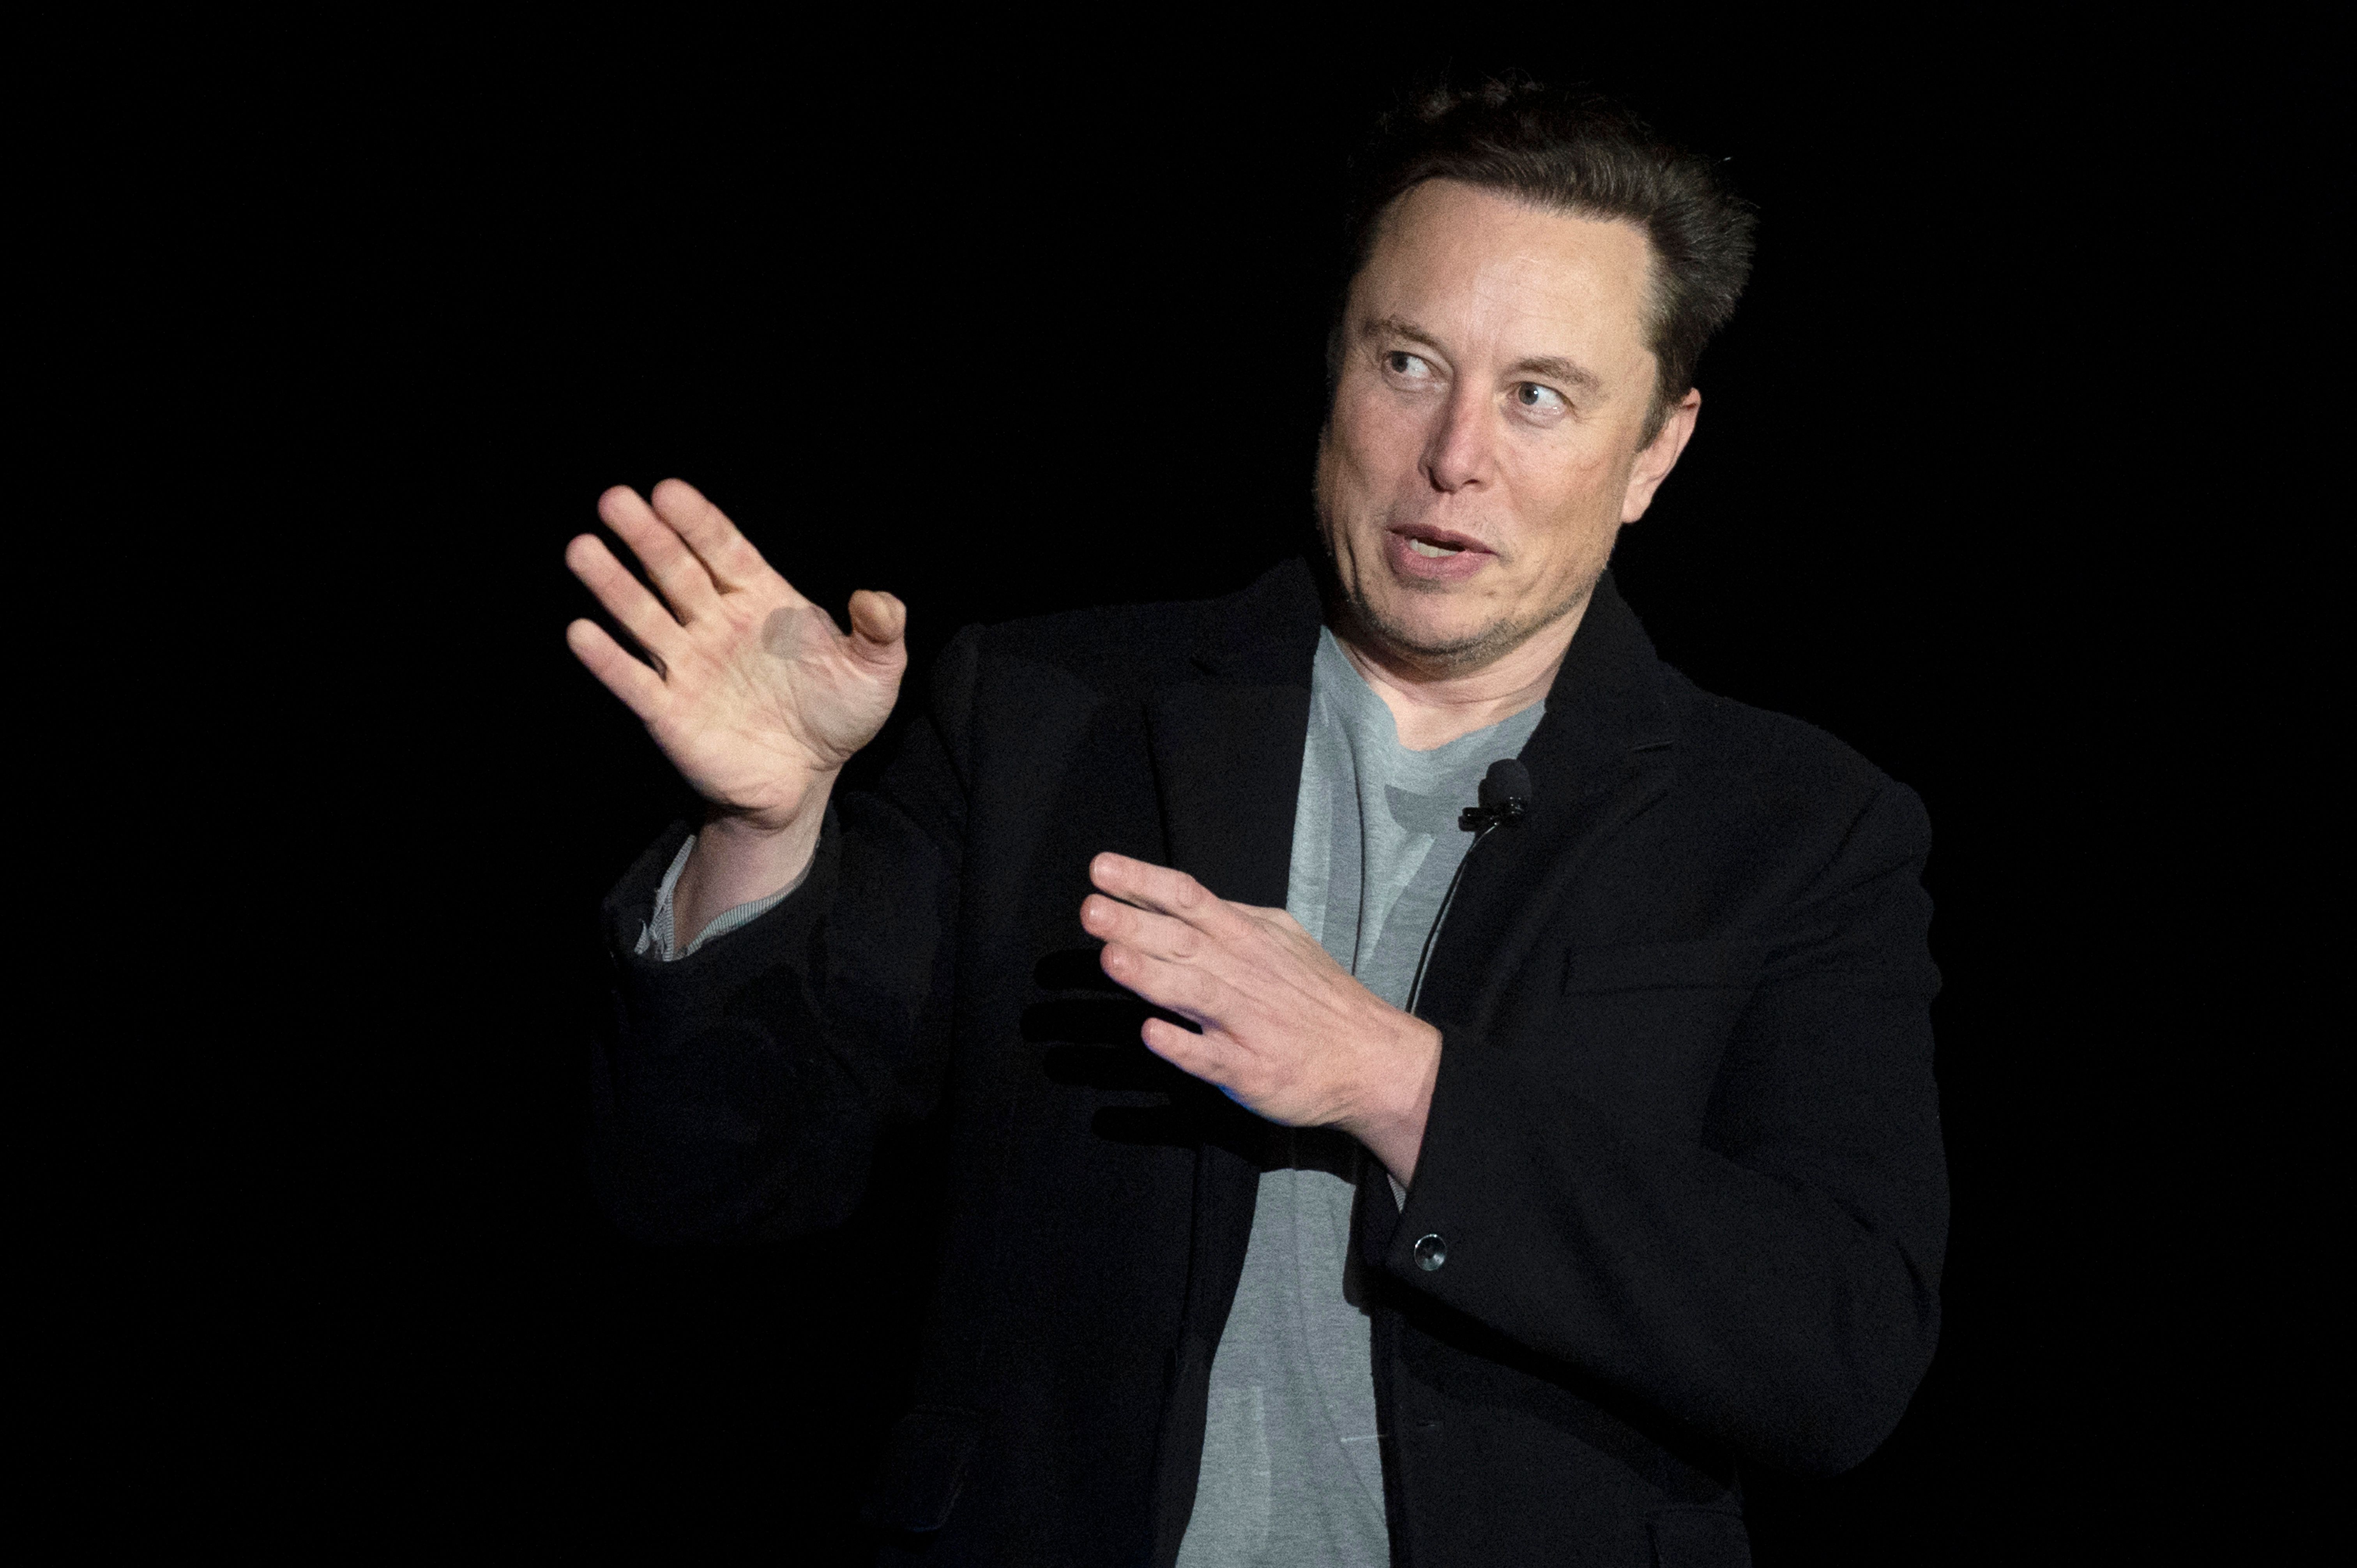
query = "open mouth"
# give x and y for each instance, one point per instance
(1438, 544)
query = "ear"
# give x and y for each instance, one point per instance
(1659, 456)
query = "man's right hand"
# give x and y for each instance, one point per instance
(755, 696)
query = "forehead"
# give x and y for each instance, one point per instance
(1492, 263)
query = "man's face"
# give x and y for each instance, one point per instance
(1484, 446)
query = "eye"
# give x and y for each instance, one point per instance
(1539, 399)
(1400, 362)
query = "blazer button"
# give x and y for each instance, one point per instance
(1431, 1252)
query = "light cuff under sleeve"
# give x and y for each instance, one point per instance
(656, 932)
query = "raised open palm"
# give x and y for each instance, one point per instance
(756, 697)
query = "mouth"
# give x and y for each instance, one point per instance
(1422, 553)
(1436, 543)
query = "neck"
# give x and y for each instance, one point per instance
(1431, 710)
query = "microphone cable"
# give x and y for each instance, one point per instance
(1505, 796)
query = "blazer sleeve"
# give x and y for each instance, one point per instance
(738, 1093)
(1775, 1284)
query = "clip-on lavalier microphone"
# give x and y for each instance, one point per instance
(1505, 796)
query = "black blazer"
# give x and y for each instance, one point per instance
(1684, 1151)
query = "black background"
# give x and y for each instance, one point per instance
(1008, 327)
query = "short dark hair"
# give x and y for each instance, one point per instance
(1576, 152)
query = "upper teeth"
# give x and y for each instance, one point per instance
(1425, 547)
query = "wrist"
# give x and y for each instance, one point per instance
(746, 834)
(739, 858)
(767, 825)
(1392, 1127)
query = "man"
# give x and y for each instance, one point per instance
(1492, 1227)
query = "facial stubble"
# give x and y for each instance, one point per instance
(1465, 655)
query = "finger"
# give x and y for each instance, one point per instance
(624, 596)
(641, 689)
(669, 561)
(1161, 889)
(1208, 1057)
(1182, 988)
(728, 554)
(879, 622)
(1111, 921)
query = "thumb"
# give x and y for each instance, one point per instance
(877, 623)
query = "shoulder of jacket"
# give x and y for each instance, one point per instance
(1773, 753)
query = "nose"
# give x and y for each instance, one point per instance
(1461, 452)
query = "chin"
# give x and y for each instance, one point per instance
(1426, 620)
(1425, 628)
(1446, 629)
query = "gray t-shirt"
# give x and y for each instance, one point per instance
(1291, 1476)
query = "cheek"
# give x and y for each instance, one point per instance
(1571, 506)
(1576, 491)
(1569, 480)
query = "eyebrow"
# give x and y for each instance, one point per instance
(1550, 367)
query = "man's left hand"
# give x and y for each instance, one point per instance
(1287, 1032)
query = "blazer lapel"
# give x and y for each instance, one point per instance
(1600, 756)
(1227, 742)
